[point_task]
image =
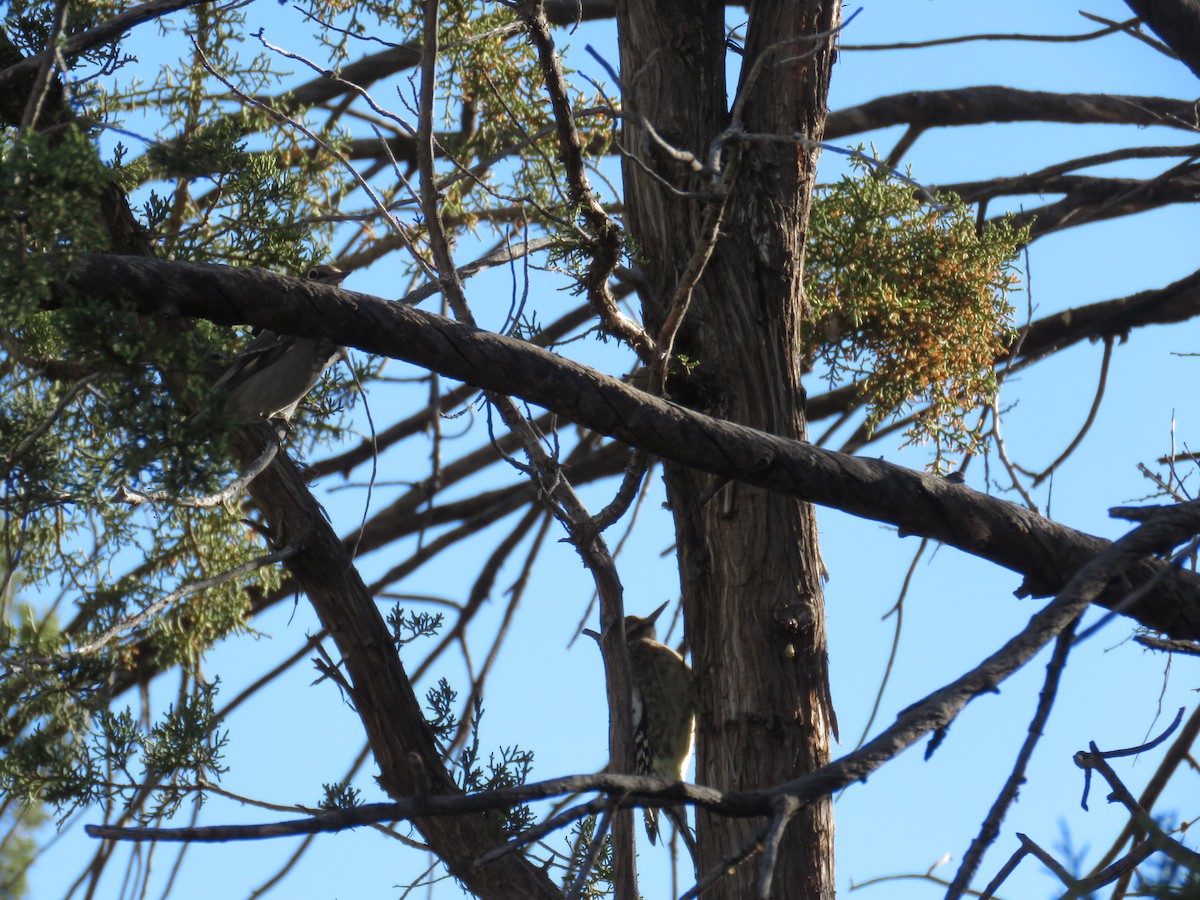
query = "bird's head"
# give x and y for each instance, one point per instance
(642, 627)
(326, 274)
(636, 627)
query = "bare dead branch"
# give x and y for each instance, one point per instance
(1134, 31)
(1191, 648)
(970, 38)
(606, 241)
(133, 497)
(626, 791)
(982, 105)
(129, 624)
(1178, 754)
(1048, 180)
(990, 829)
(1155, 840)
(1090, 199)
(785, 810)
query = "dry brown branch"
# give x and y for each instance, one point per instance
(1178, 754)
(970, 38)
(1090, 199)
(605, 240)
(990, 829)
(1155, 838)
(983, 105)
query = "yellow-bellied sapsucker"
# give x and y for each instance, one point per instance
(664, 712)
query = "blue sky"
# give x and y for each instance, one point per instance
(547, 694)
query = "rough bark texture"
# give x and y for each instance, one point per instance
(750, 570)
(1177, 22)
(1045, 552)
(401, 742)
(400, 739)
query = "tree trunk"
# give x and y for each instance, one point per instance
(750, 569)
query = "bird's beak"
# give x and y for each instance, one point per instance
(650, 619)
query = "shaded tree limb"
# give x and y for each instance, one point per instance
(1044, 552)
(994, 103)
(931, 714)
(990, 829)
(1092, 199)
(993, 36)
(1177, 22)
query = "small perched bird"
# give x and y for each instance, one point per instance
(664, 713)
(273, 374)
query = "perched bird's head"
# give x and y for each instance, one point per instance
(639, 628)
(326, 274)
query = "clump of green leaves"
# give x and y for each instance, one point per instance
(76, 751)
(253, 210)
(340, 795)
(505, 768)
(911, 298)
(408, 627)
(20, 824)
(49, 190)
(508, 767)
(599, 880)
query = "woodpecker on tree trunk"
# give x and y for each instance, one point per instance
(664, 714)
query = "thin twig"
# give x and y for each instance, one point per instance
(898, 609)
(751, 845)
(771, 843)
(1087, 424)
(963, 39)
(1002, 452)
(134, 497)
(597, 843)
(132, 622)
(990, 828)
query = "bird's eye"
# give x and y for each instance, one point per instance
(313, 273)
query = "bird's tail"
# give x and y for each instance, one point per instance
(679, 820)
(651, 824)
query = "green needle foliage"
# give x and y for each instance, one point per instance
(94, 398)
(911, 299)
